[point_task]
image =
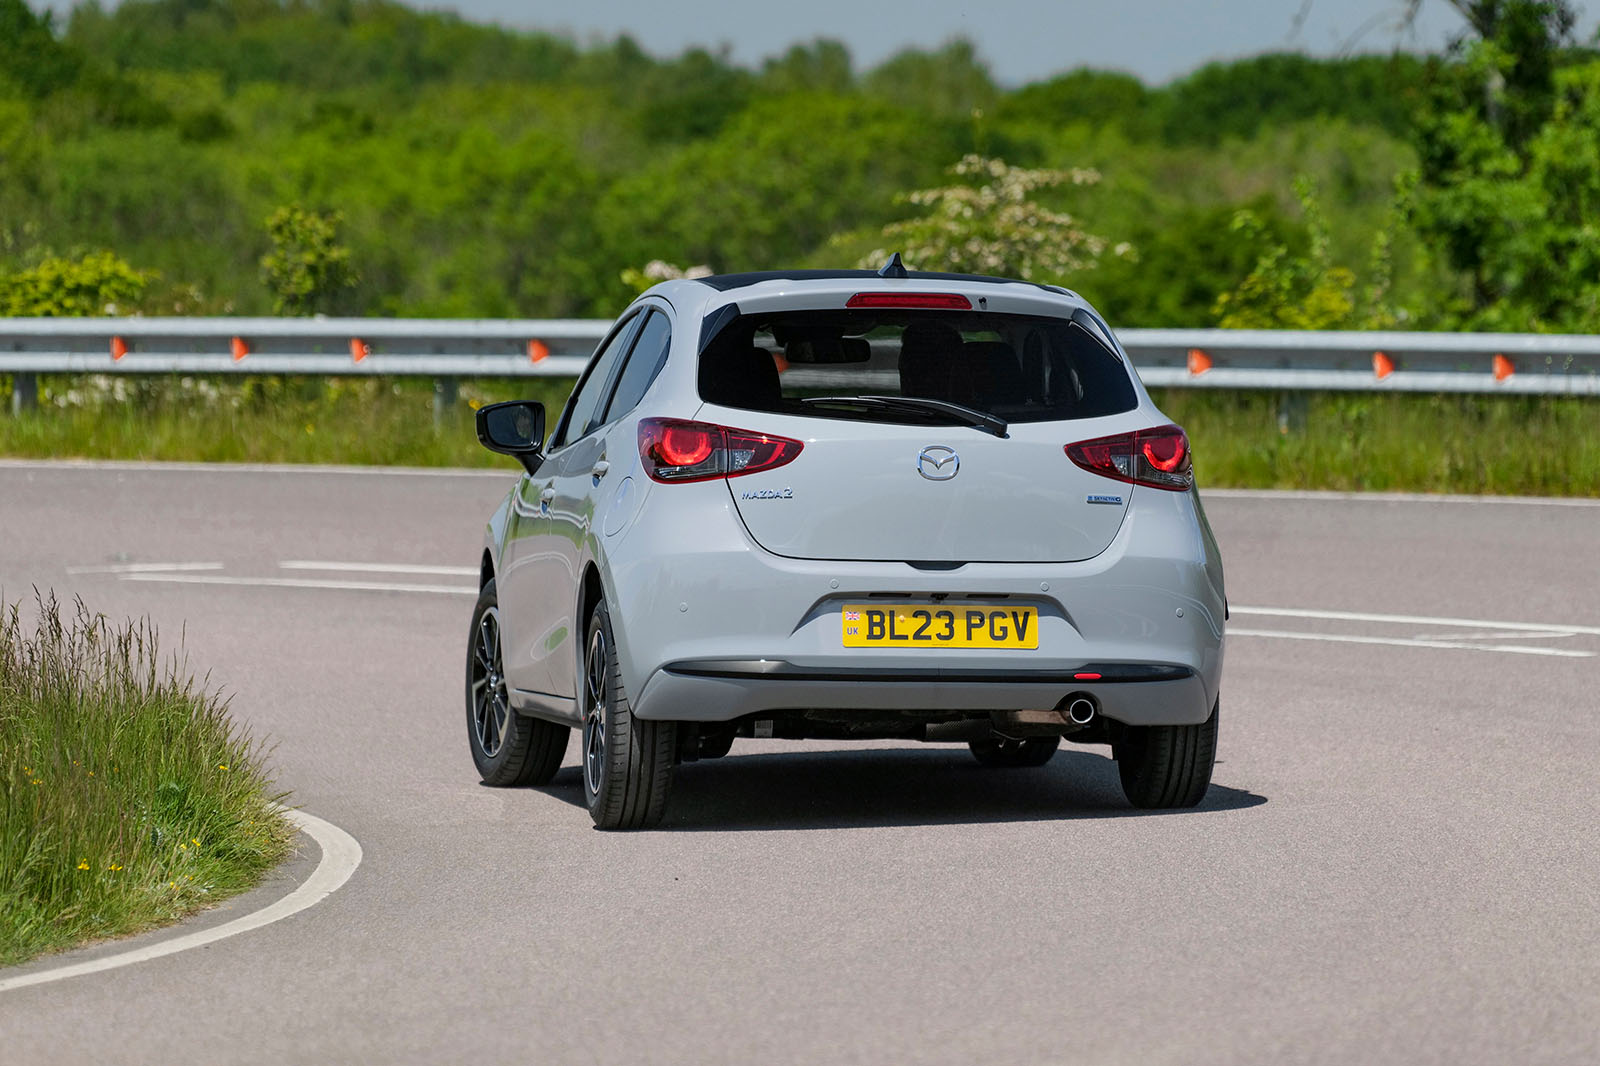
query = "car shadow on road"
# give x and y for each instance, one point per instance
(894, 787)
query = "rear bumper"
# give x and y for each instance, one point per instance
(698, 592)
(721, 690)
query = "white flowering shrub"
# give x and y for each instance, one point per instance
(989, 223)
(661, 270)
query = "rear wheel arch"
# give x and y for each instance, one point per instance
(597, 587)
(590, 592)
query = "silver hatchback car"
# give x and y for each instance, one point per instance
(846, 505)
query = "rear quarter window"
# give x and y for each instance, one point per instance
(644, 363)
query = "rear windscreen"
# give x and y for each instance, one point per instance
(1022, 368)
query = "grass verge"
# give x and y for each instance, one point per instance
(1521, 445)
(128, 798)
(1495, 445)
(361, 421)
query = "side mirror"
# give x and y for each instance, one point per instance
(515, 428)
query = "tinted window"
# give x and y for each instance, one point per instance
(1024, 368)
(649, 355)
(586, 398)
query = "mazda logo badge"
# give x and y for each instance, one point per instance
(938, 463)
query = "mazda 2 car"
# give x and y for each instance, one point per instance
(846, 505)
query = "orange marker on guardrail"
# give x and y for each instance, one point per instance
(538, 351)
(359, 349)
(1382, 365)
(1503, 367)
(240, 349)
(119, 348)
(1199, 362)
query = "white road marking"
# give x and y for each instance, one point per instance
(142, 568)
(303, 583)
(1401, 642)
(1416, 620)
(381, 568)
(1397, 497)
(341, 854)
(1496, 636)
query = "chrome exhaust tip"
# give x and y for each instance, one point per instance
(1081, 710)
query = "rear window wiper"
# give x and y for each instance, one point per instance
(970, 416)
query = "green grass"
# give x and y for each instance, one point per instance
(128, 799)
(1501, 445)
(1523, 445)
(363, 421)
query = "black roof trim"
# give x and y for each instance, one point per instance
(725, 282)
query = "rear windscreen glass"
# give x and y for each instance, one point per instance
(1019, 367)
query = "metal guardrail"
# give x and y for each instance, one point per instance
(448, 349)
(424, 347)
(1376, 361)
(443, 349)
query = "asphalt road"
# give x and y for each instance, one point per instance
(1397, 862)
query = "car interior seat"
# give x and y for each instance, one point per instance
(998, 373)
(1045, 373)
(740, 377)
(933, 364)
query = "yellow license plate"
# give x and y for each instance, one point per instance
(933, 625)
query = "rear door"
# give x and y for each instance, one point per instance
(594, 476)
(537, 582)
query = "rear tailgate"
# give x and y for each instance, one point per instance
(864, 490)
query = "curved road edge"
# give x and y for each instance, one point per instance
(341, 854)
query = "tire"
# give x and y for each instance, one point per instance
(507, 748)
(1166, 766)
(1011, 753)
(627, 762)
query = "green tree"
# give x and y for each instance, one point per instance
(1098, 97)
(1289, 290)
(307, 267)
(771, 188)
(950, 81)
(990, 223)
(1494, 191)
(1238, 98)
(30, 55)
(1509, 79)
(99, 283)
(821, 66)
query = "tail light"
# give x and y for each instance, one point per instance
(1156, 457)
(675, 449)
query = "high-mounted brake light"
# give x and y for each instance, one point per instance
(1156, 457)
(676, 449)
(935, 301)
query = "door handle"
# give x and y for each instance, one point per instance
(600, 469)
(546, 496)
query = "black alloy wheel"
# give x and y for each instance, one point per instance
(507, 748)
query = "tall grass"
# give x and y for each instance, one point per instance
(363, 421)
(1507, 445)
(1531, 445)
(128, 798)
